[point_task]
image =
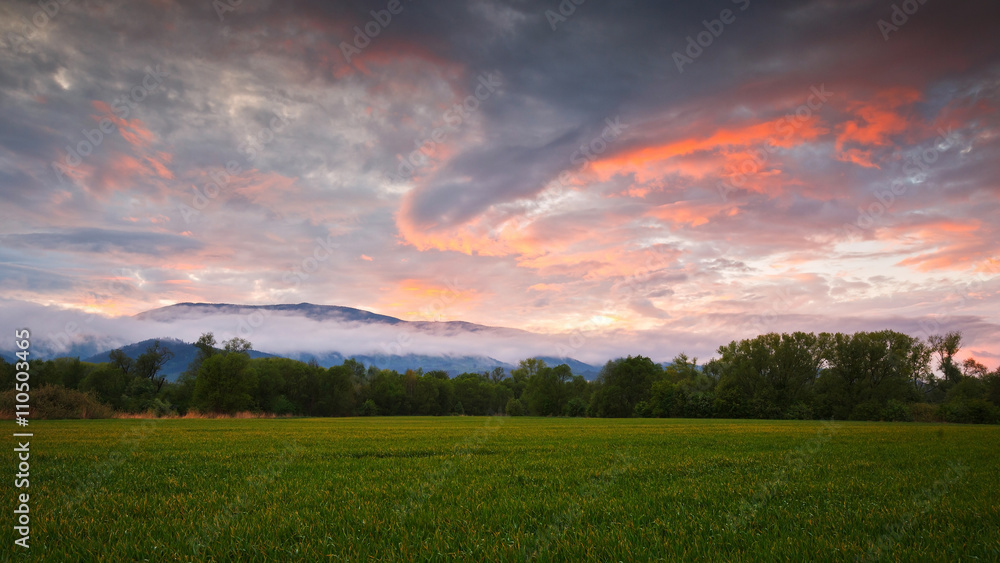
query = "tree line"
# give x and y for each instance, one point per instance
(883, 375)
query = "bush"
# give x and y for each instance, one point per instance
(799, 411)
(896, 411)
(57, 402)
(868, 410)
(700, 405)
(576, 407)
(515, 408)
(160, 408)
(368, 408)
(976, 411)
(923, 412)
(282, 406)
(642, 410)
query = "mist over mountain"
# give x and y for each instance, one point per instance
(320, 313)
(325, 334)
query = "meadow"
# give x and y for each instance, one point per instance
(510, 489)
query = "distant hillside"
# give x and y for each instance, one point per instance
(579, 368)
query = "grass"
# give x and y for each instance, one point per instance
(486, 489)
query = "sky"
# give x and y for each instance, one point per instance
(652, 177)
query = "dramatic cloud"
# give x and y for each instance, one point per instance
(636, 171)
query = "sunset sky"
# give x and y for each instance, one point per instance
(813, 165)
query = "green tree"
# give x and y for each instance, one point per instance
(149, 364)
(622, 384)
(547, 391)
(224, 384)
(946, 347)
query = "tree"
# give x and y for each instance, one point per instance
(150, 362)
(972, 368)
(946, 347)
(497, 375)
(514, 408)
(108, 383)
(622, 384)
(205, 345)
(224, 384)
(546, 393)
(238, 345)
(120, 360)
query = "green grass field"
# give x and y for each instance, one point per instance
(486, 489)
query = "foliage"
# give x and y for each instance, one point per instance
(55, 402)
(798, 376)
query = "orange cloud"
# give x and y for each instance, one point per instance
(874, 122)
(725, 145)
(425, 300)
(691, 214)
(943, 244)
(133, 131)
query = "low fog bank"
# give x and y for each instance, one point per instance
(57, 331)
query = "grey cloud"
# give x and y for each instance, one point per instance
(103, 241)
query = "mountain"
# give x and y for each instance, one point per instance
(579, 368)
(351, 330)
(451, 363)
(322, 313)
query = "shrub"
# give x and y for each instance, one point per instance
(368, 408)
(699, 405)
(282, 405)
(160, 408)
(56, 402)
(515, 408)
(976, 411)
(642, 410)
(799, 411)
(576, 407)
(868, 410)
(923, 412)
(895, 411)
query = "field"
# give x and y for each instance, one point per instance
(510, 489)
